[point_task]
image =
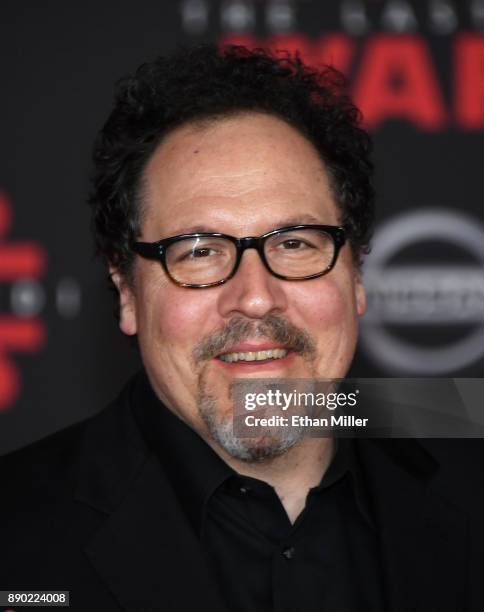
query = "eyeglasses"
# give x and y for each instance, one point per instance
(298, 252)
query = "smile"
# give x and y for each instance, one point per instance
(254, 355)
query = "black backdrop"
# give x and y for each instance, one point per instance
(417, 69)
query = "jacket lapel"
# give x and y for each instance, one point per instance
(423, 538)
(145, 550)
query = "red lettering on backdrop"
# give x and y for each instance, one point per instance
(26, 335)
(17, 260)
(336, 50)
(397, 80)
(469, 81)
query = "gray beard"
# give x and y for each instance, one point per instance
(249, 450)
(236, 330)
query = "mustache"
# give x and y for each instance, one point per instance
(273, 327)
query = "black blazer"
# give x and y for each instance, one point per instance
(91, 511)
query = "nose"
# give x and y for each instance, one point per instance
(253, 291)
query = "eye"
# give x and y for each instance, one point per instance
(294, 244)
(202, 252)
(198, 253)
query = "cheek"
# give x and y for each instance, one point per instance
(329, 315)
(329, 306)
(174, 319)
(181, 321)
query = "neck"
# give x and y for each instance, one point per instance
(293, 474)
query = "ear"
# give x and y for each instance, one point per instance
(360, 295)
(127, 303)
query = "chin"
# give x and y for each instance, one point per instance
(219, 427)
(254, 450)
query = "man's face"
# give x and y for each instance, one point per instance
(242, 176)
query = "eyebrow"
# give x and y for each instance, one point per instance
(295, 220)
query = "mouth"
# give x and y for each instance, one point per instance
(251, 356)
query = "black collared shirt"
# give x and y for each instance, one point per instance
(327, 560)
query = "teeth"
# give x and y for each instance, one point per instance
(254, 355)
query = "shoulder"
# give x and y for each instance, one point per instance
(450, 468)
(43, 464)
(57, 492)
(48, 469)
(37, 512)
(460, 475)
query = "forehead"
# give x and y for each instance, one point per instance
(251, 169)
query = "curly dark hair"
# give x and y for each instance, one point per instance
(206, 82)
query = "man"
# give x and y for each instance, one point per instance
(232, 202)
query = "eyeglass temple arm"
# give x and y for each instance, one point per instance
(149, 250)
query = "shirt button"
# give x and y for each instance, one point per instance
(289, 552)
(244, 490)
